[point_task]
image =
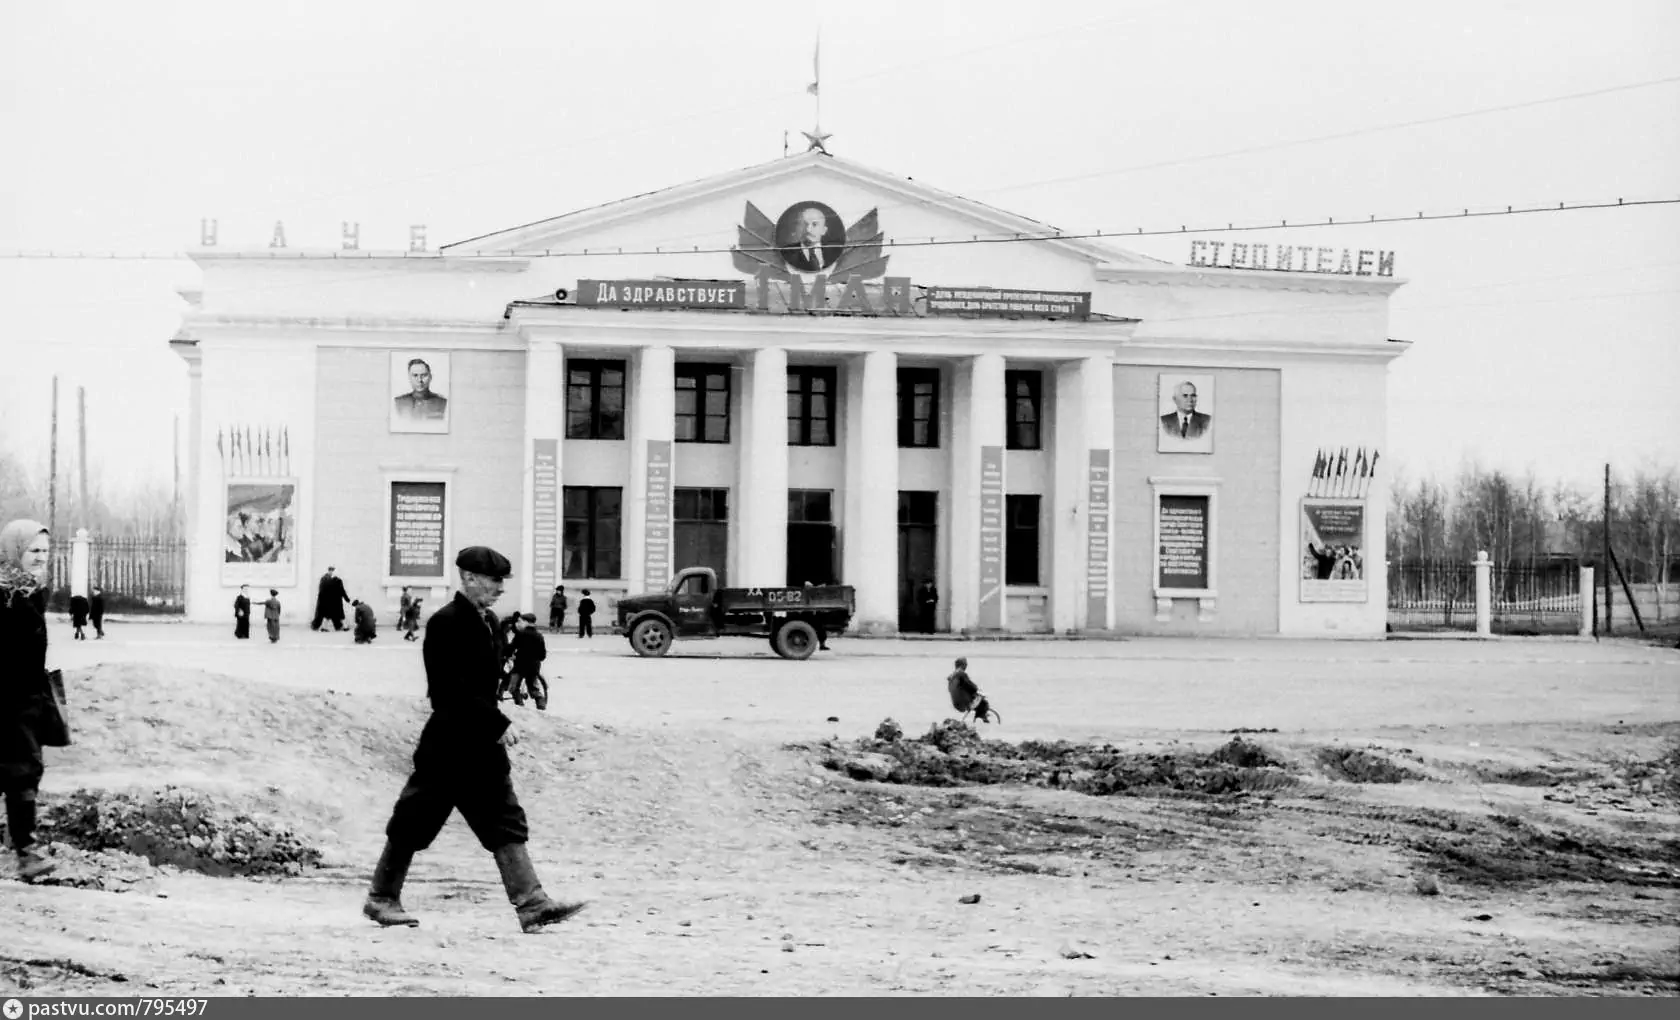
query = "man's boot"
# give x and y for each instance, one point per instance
(384, 899)
(32, 867)
(533, 907)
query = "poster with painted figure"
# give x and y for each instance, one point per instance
(1333, 551)
(259, 539)
(419, 388)
(1185, 404)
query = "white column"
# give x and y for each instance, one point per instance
(1588, 595)
(760, 537)
(1066, 517)
(545, 400)
(869, 543)
(978, 420)
(198, 596)
(1484, 595)
(653, 415)
(79, 562)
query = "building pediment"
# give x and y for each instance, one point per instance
(710, 215)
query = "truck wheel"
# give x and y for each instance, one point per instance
(796, 640)
(651, 638)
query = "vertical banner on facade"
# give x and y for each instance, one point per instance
(417, 529)
(990, 615)
(1096, 542)
(545, 516)
(656, 569)
(1333, 551)
(1182, 556)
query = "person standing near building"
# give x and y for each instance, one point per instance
(25, 548)
(330, 600)
(410, 616)
(242, 613)
(927, 605)
(461, 762)
(586, 615)
(96, 612)
(79, 615)
(557, 609)
(271, 615)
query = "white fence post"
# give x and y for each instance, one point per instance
(1588, 595)
(79, 563)
(1484, 595)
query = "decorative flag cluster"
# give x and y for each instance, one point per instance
(259, 452)
(1336, 474)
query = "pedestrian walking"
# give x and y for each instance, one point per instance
(366, 623)
(525, 675)
(927, 605)
(586, 615)
(330, 599)
(79, 615)
(96, 612)
(411, 618)
(25, 691)
(271, 615)
(557, 609)
(461, 762)
(242, 613)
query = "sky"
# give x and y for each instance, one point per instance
(1544, 341)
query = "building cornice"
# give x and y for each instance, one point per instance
(387, 261)
(1254, 279)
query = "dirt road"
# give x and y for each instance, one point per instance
(689, 800)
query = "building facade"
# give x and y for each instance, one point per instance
(775, 373)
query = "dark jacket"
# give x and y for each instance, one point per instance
(23, 682)
(330, 600)
(586, 607)
(529, 650)
(366, 622)
(463, 656)
(96, 608)
(241, 608)
(78, 610)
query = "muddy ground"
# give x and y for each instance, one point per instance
(1518, 835)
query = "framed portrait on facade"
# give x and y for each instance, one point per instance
(259, 532)
(1184, 402)
(810, 236)
(1333, 551)
(419, 391)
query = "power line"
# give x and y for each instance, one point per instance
(287, 255)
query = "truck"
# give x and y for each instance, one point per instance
(693, 606)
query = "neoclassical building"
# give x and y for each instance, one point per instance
(803, 371)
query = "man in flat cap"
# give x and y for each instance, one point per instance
(461, 762)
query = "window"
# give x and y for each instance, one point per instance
(918, 508)
(701, 518)
(810, 406)
(810, 506)
(918, 407)
(702, 403)
(592, 531)
(595, 401)
(1020, 558)
(1025, 390)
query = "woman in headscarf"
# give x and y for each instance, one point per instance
(25, 548)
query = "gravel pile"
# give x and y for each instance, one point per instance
(176, 827)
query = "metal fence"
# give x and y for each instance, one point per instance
(137, 575)
(1524, 598)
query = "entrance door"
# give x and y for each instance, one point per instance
(810, 537)
(918, 557)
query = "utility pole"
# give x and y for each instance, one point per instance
(52, 482)
(1608, 591)
(81, 451)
